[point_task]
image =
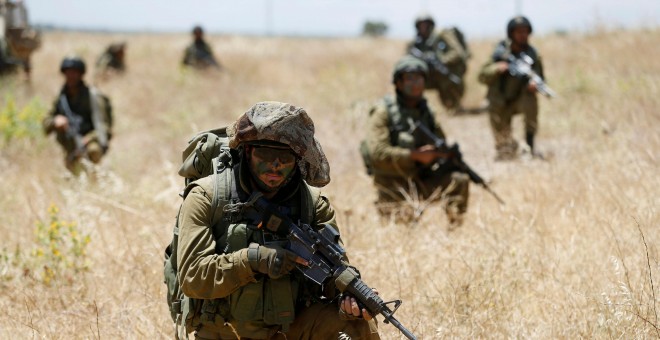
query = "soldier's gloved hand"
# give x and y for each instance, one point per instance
(273, 261)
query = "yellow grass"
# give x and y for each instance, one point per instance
(573, 253)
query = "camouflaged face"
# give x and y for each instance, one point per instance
(288, 124)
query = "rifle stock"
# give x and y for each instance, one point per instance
(326, 258)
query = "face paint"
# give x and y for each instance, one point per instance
(412, 84)
(271, 167)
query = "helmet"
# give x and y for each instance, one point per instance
(74, 62)
(515, 22)
(197, 30)
(409, 64)
(275, 123)
(422, 17)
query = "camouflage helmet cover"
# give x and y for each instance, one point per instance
(516, 22)
(409, 64)
(73, 62)
(424, 17)
(287, 124)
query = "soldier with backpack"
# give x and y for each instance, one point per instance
(228, 274)
(81, 117)
(402, 157)
(446, 54)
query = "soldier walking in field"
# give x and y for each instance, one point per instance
(238, 283)
(81, 117)
(401, 147)
(199, 54)
(511, 93)
(446, 54)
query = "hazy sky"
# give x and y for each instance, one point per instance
(478, 18)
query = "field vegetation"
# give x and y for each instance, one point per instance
(573, 254)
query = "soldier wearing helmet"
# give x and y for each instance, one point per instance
(112, 60)
(401, 158)
(199, 54)
(510, 94)
(247, 285)
(446, 48)
(81, 117)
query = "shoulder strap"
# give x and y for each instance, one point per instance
(309, 197)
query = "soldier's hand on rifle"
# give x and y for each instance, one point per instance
(531, 86)
(426, 154)
(273, 261)
(61, 123)
(502, 66)
(349, 305)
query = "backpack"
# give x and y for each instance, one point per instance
(207, 153)
(455, 34)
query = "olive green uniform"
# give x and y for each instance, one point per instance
(199, 55)
(507, 96)
(390, 141)
(94, 133)
(235, 300)
(111, 60)
(450, 51)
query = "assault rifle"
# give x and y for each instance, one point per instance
(73, 131)
(432, 59)
(454, 156)
(321, 249)
(522, 67)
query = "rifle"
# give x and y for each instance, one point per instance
(72, 132)
(325, 256)
(522, 67)
(455, 157)
(432, 59)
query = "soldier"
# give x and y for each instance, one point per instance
(112, 60)
(81, 117)
(249, 289)
(17, 39)
(509, 94)
(199, 54)
(446, 55)
(404, 160)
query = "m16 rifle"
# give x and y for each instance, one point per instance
(325, 257)
(431, 59)
(521, 66)
(73, 131)
(454, 156)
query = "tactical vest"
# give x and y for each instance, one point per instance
(258, 309)
(399, 131)
(508, 88)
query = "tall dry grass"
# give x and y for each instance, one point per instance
(573, 253)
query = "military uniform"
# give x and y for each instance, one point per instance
(231, 298)
(112, 58)
(94, 133)
(508, 95)
(199, 55)
(448, 49)
(390, 141)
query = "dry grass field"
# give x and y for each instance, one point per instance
(574, 253)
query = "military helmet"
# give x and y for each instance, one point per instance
(73, 62)
(422, 17)
(409, 64)
(277, 124)
(197, 30)
(515, 22)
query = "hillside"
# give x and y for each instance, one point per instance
(573, 253)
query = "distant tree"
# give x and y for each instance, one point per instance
(374, 28)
